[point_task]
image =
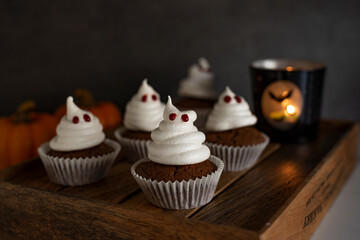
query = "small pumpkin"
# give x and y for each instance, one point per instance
(107, 112)
(23, 132)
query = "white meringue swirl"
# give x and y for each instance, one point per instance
(199, 83)
(230, 115)
(144, 111)
(177, 142)
(77, 134)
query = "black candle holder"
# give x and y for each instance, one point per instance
(287, 97)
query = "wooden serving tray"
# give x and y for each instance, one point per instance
(284, 196)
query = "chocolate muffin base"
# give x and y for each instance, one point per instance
(96, 151)
(160, 172)
(193, 103)
(183, 194)
(245, 136)
(136, 135)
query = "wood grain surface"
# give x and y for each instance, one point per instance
(284, 196)
(302, 214)
(253, 201)
(117, 186)
(28, 213)
(31, 173)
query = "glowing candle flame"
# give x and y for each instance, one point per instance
(290, 109)
(289, 68)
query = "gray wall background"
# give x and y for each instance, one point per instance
(49, 48)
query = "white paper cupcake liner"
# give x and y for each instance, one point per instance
(180, 195)
(77, 171)
(238, 158)
(135, 149)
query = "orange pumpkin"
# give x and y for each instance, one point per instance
(22, 133)
(107, 112)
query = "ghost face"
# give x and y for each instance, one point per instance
(281, 104)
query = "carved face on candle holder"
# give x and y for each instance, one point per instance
(287, 97)
(281, 104)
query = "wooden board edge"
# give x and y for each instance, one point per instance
(300, 218)
(39, 214)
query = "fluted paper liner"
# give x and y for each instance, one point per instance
(135, 149)
(77, 171)
(180, 195)
(238, 158)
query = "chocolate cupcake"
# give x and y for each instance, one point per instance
(196, 91)
(79, 154)
(179, 172)
(142, 115)
(230, 135)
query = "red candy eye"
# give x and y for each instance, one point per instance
(227, 99)
(154, 97)
(238, 99)
(185, 117)
(75, 119)
(87, 118)
(172, 116)
(144, 97)
(204, 69)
